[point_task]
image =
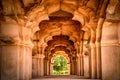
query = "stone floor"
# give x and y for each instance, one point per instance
(63, 77)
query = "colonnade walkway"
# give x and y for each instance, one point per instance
(63, 77)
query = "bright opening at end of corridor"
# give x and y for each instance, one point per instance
(61, 65)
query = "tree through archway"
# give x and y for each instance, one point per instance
(60, 66)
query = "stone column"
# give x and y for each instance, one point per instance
(41, 65)
(72, 67)
(28, 61)
(14, 62)
(81, 56)
(93, 61)
(45, 66)
(68, 68)
(51, 69)
(10, 63)
(16, 51)
(110, 50)
(75, 67)
(35, 67)
(81, 65)
(93, 55)
(48, 68)
(78, 65)
(99, 35)
(98, 46)
(86, 66)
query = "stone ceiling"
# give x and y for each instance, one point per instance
(60, 31)
(58, 24)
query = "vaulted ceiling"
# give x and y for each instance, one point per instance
(57, 24)
(60, 32)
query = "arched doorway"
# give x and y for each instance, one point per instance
(60, 64)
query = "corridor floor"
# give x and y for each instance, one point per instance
(63, 77)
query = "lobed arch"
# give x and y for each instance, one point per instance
(59, 53)
(79, 13)
(85, 16)
(58, 43)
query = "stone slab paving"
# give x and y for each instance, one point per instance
(65, 77)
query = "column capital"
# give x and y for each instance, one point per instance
(92, 45)
(41, 56)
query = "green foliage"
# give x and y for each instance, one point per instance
(60, 65)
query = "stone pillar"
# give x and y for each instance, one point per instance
(44, 61)
(110, 51)
(93, 61)
(45, 66)
(78, 65)
(86, 66)
(48, 68)
(16, 51)
(98, 57)
(72, 67)
(10, 63)
(25, 58)
(41, 65)
(99, 35)
(14, 62)
(98, 47)
(75, 67)
(81, 56)
(34, 67)
(93, 55)
(51, 69)
(81, 65)
(68, 68)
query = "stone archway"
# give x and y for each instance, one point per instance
(67, 62)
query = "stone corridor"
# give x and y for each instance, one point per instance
(34, 32)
